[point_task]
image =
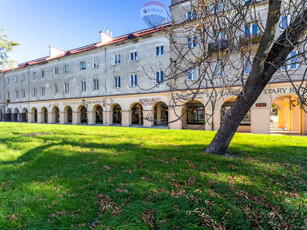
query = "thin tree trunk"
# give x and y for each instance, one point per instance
(268, 60)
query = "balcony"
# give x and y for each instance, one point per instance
(250, 39)
(218, 46)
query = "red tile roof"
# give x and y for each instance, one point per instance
(90, 47)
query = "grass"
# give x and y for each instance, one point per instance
(64, 177)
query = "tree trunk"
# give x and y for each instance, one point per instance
(267, 62)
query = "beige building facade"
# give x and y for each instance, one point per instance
(123, 81)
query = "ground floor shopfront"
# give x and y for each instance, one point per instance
(149, 110)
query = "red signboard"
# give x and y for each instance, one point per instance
(260, 105)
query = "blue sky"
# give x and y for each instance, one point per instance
(66, 24)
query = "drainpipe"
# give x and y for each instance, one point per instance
(105, 84)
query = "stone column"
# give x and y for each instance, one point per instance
(40, 117)
(173, 114)
(31, 118)
(63, 117)
(260, 120)
(51, 117)
(108, 119)
(149, 114)
(126, 118)
(76, 116)
(91, 118)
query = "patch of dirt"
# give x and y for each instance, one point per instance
(34, 134)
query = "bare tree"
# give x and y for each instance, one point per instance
(236, 47)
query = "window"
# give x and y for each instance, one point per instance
(219, 7)
(43, 74)
(17, 94)
(8, 95)
(83, 86)
(192, 42)
(117, 82)
(95, 63)
(247, 66)
(134, 56)
(66, 69)
(251, 30)
(192, 73)
(191, 15)
(221, 35)
(95, 84)
(23, 93)
(117, 59)
(196, 113)
(285, 21)
(159, 50)
(34, 92)
(218, 69)
(8, 81)
(291, 62)
(66, 88)
(133, 80)
(23, 78)
(159, 77)
(16, 79)
(34, 76)
(56, 70)
(82, 65)
(56, 89)
(43, 91)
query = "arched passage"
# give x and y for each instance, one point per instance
(34, 115)
(68, 114)
(55, 115)
(8, 115)
(83, 114)
(160, 113)
(245, 125)
(286, 115)
(193, 115)
(44, 115)
(98, 114)
(24, 115)
(116, 114)
(137, 114)
(15, 115)
(1, 115)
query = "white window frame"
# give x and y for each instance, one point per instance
(95, 84)
(16, 94)
(66, 69)
(117, 82)
(135, 55)
(159, 46)
(43, 91)
(159, 79)
(81, 65)
(56, 89)
(43, 74)
(66, 88)
(83, 86)
(133, 80)
(288, 64)
(192, 74)
(23, 93)
(95, 63)
(34, 76)
(56, 70)
(117, 59)
(34, 92)
(16, 79)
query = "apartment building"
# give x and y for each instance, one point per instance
(124, 81)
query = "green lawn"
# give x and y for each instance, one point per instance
(64, 177)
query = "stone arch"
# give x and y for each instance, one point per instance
(82, 111)
(68, 115)
(34, 116)
(116, 113)
(44, 115)
(289, 117)
(160, 109)
(15, 115)
(8, 115)
(98, 114)
(136, 110)
(193, 115)
(245, 125)
(24, 115)
(55, 114)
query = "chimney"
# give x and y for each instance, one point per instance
(53, 52)
(105, 37)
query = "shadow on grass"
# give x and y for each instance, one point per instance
(58, 184)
